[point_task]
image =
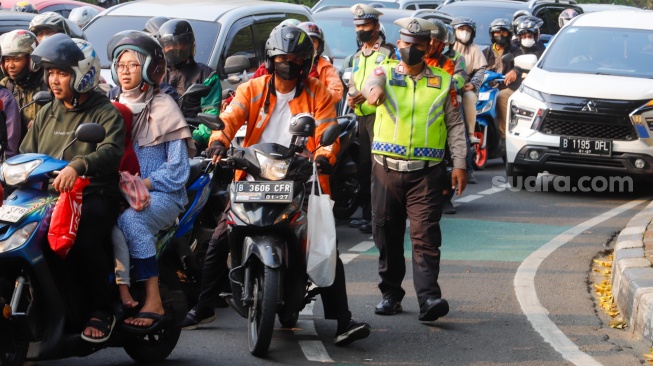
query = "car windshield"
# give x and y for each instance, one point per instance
(341, 35)
(603, 51)
(100, 31)
(483, 15)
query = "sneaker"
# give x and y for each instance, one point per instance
(474, 140)
(196, 316)
(354, 332)
(471, 179)
(447, 207)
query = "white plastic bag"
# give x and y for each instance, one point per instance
(321, 254)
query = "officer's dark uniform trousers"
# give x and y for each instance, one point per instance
(416, 195)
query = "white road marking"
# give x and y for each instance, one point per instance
(305, 327)
(315, 351)
(363, 246)
(348, 257)
(469, 198)
(527, 295)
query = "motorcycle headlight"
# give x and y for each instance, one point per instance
(272, 169)
(486, 107)
(18, 238)
(14, 174)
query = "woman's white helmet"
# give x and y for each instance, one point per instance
(82, 15)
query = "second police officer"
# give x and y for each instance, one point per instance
(417, 115)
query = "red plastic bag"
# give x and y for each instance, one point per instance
(134, 190)
(65, 218)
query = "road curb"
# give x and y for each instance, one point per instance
(632, 276)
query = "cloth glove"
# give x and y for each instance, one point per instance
(217, 148)
(323, 165)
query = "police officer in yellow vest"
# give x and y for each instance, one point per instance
(417, 115)
(372, 52)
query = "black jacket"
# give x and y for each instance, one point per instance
(507, 66)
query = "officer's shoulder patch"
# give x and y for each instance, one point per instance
(379, 71)
(435, 82)
(454, 97)
(376, 46)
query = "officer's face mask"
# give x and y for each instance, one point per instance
(287, 70)
(463, 35)
(411, 56)
(364, 36)
(528, 42)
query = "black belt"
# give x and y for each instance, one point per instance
(404, 165)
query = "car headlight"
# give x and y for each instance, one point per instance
(14, 174)
(532, 93)
(272, 169)
(18, 238)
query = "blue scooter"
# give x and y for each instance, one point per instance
(487, 129)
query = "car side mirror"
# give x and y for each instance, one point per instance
(526, 62)
(42, 98)
(90, 133)
(211, 121)
(330, 135)
(236, 64)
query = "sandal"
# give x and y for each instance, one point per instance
(101, 321)
(159, 321)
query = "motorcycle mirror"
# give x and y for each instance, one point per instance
(211, 121)
(42, 97)
(302, 125)
(90, 132)
(508, 58)
(330, 135)
(197, 90)
(236, 64)
(526, 62)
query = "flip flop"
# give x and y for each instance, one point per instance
(159, 321)
(101, 321)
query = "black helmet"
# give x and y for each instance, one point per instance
(314, 31)
(498, 25)
(460, 21)
(177, 37)
(72, 54)
(24, 7)
(528, 26)
(515, 23)
(153, 69)
(289, 40)
(153, 24)
(440, 32)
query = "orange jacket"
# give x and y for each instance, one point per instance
(248, 107)
(448, 65)
(329, 75)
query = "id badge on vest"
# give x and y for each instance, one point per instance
(397, 79)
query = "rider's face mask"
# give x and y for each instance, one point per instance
(287, 70)
(463, 35)
(528, 42)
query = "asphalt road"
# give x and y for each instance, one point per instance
(504, 253)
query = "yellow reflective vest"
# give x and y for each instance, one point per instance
(363, 67)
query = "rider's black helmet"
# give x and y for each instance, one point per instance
(500, 24)
(153, 25)
(153, 69)
(440, 32)
(178, 40)
(289, 40)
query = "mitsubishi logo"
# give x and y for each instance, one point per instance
(589, 107)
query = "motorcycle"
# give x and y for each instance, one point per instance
(345, 187)
(487, 129)
(42, 309)
(267, 232)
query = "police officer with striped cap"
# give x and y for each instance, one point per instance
(417, 114)
(372, 52)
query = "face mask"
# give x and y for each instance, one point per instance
(364, 36)
(528, 42)
(500, 40)
(287, 70)
(411, 56)
(463, 35)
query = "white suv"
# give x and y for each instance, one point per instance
(587, 105)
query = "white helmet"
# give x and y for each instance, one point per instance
(18, 42)
(82, 15)
(51, 20)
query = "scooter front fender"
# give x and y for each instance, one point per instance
(269, 249)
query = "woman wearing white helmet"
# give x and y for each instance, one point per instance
(72, 71)
(82, 15)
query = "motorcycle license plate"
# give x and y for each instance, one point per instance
(268, 192)
(483, 95)
(12, 213)
(585, 146)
